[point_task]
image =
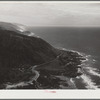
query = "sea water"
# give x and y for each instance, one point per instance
(85, 40)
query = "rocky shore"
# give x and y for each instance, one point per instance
(55, 74)
(29, 62)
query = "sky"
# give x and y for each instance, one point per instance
(51, 13)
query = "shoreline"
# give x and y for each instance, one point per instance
(52, 72)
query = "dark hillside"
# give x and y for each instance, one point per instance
(18, 49)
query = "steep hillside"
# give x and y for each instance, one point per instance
(18, 48)
(29, 62)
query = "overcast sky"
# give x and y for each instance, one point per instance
(51, 14)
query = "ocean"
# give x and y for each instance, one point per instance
(84, 40)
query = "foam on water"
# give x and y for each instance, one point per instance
(88, 82)
(86, 79)
(22, 84)
(93, 71)
(69, 81)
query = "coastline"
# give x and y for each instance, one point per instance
(60, 72)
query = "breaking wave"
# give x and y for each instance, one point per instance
(89, 71)
(88, 82)
(86, 78)
(22, 84)
(93, 71)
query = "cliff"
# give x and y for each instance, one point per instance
(28, 59)
(18, 49)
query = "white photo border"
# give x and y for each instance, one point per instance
(50, 94)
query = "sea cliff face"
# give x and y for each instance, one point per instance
(21, 50)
